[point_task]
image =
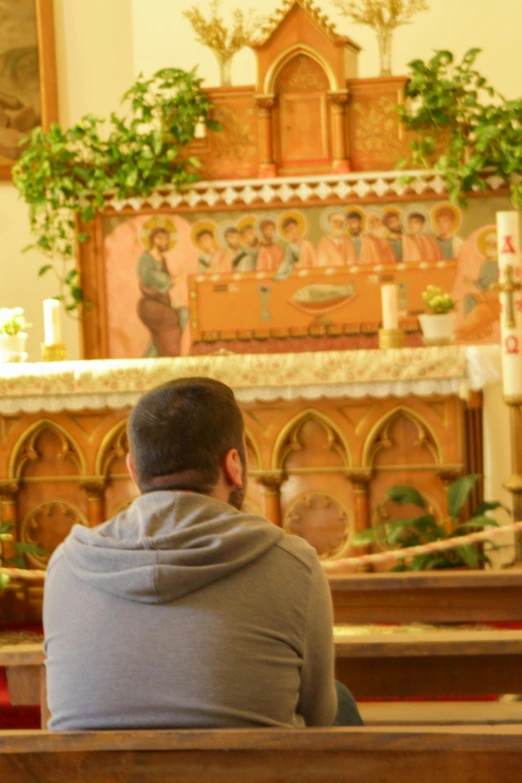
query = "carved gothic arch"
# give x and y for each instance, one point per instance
(25, 449)
(289, 54)
(378, 436)
(287, 439)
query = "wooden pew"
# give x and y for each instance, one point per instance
(428, 597)
(430, 664)
(393, 755)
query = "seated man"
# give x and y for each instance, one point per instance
(184, 611)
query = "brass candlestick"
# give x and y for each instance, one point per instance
(55, 352)
(391, 338)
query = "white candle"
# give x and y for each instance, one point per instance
(390, 306)
(52, 330)
(508, 239)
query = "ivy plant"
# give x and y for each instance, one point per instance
(66, 176)
(463, 126)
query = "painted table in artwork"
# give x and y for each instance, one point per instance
(327, 434)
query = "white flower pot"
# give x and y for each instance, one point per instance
(12, 347)
(437, 329)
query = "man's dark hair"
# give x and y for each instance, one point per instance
(202, 234)
(154, 233)
(248, 227)
(180, 432)
(417, 216)
(354, 215)
(231, 230)
(289, 222)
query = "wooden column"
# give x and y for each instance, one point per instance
(272, 486)
(338, 103)
(265, 105)
(360, 480)
(8, 491)
(95, 488)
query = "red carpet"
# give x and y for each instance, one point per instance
(26, 717)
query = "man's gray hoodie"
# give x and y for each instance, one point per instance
(183, 612)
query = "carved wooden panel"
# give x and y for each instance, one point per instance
(301, 116)
(233, 153)
(377, 139)
(320, 469)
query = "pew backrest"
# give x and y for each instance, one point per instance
(365, 755)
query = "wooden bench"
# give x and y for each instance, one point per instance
(428, 597)
(367, 755)
(428, 665)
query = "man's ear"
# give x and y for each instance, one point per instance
(233, 468)
(131, 469)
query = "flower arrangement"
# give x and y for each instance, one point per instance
(224, 42)
(12, 321)
(438, 301)
(383, 16)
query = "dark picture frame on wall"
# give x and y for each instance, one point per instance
(28, 79)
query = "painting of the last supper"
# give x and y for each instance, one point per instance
(293, 278)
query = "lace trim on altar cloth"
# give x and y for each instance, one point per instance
(117, 383)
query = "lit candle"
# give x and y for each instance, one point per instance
(390, 306)
(52, 330)
(508, 239)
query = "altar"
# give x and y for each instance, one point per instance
(327, 434)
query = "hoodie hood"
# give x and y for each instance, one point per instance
(167, 545)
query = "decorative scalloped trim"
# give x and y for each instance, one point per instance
(308, 190)
(313, 12)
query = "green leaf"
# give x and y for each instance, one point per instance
(44, 269)
(31, 549)
(479, 523)
(458, 493)
(468, 554)
(88, 214)
(406, 495)
(214, 125)
(489, 505)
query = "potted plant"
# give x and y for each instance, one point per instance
(462, 125)
(424, 528)
(438, 324)
(13, 334)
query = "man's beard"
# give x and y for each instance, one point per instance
(237, 496)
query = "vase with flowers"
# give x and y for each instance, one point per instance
(438, 323)
(13, 335)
